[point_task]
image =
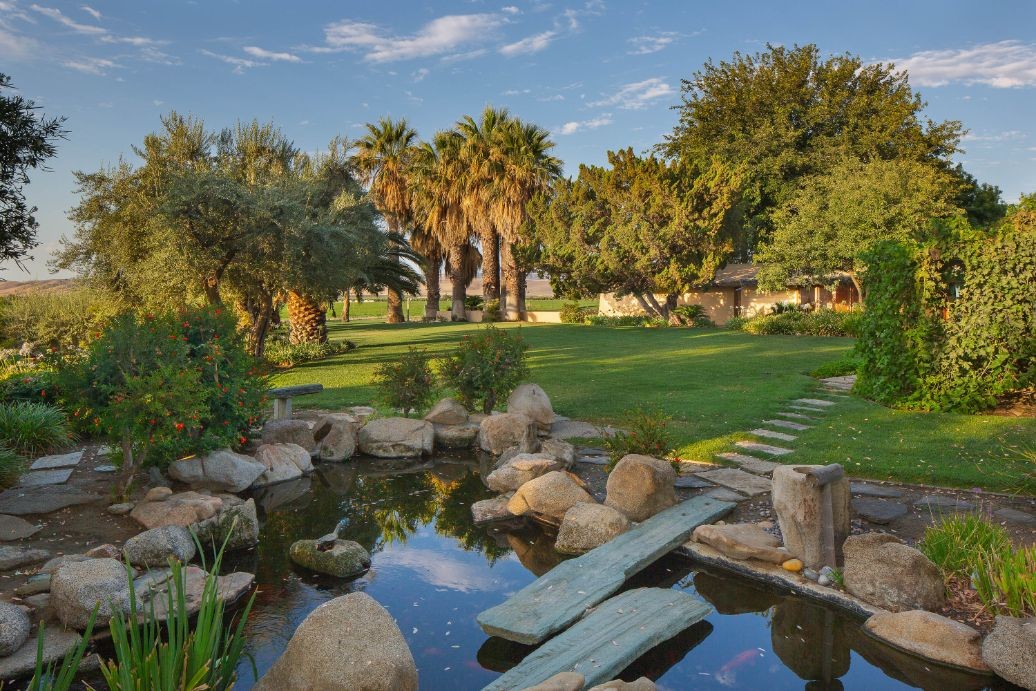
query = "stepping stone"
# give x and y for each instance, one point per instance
(105, 469)
(593, 460)
(1015, 516)
(11, 557)
(591, 451)
(797, 416)
(724, 494)
(881, 511)
(763, 448)
(22, 501)
(844, 382)
(14, 528)
(749, 463)
(561, 596)
(787, 424)
(609, 639)
(869, 490)
(818, 402)
(65, 460)
(938, 504)
(807, 409)
(56, 644)
(37, 478)
(770, 434)
(738, 480)
(691, 482)
(572, 429)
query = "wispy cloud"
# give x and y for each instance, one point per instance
(58, 16)
(95, 66)
(92, 12)
(644, 45)
(637, 95)
(579, 125)
(15, 46)
(240, 64)
(1003, 65)
(420, 74)
(274, 56)
(529, 44)
(441, 36)
(1005, 136)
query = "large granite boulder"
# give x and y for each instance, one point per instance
(155, 547)
(336, 436)
(237, 525)
(448, 411)
(14, 628)
(586, 526)
(221, 470)
(641, 486)
(549, 496)
(283, 462)
(562, 681)
(497, 433)
(344, 560)
(882, 570)
(797, 502)
(931, 636)
(519, 470)
(349, 642)
(532, 401)
(185, 508)
(229, 588)
(288, 431)
(638, 684)
(1010, 650)
(742, 541)
(560, 450)
(493, 509)
(76, 588)
(456, 436)
(397, 437)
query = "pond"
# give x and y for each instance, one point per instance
(434, 571)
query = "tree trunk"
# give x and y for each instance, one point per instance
(509, 269)
(460, 288)
(395, 299)
(308, 319)
(490, 266)
(859, 287)
(260, 326)
(648, 308)
(660, 310)
(431, 277)
(211, 288)
(523, 284)
(346, 303)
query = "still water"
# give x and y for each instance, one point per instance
(434, 571)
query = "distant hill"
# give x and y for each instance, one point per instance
(20, 287)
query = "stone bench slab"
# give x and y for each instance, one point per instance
(608, 639)
(562, 595)
(738, 480)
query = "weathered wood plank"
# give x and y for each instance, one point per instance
(608, 639)
(298, 390)
(562, 595)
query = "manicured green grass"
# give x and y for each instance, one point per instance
(372, 308)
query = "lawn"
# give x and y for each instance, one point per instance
(372, 308)
(716, 385)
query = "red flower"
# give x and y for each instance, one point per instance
(179, 427)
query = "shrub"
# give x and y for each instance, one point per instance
(618, 320)
(847, 364)
(30, 429)
(956, 542)
(11, 467)
(59, 321)
(693, 315)
(648, 435)
(737, 323)
(822, 322)
(486, 366)
(573, 313)
(281, 353)
(1005, 580)
(784, 307)
(491, 311)
(407, 384)
(474, 303)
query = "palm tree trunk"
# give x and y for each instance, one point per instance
(431, 278)
(308, 319)
(460, 288)
(395, 299)
(346, 303)
(490, 265)
(523, 284)
(509, 269)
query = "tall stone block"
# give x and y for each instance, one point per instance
(799, 503)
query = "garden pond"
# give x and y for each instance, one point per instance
(434, 570)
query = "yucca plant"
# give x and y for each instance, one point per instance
(30, 429)
(11, 467)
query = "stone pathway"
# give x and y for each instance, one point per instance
(51, 470)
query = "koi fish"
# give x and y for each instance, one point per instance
(727, 674)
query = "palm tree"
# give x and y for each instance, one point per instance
(383, 158)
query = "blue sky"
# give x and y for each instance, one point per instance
(600, 75)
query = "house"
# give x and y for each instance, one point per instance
(734, 292)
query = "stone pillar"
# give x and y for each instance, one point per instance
(799, 503)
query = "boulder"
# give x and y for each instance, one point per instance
(532, 401)
(641, 486)
(238, 525)
(560, 450)
(78, 587)
(519, 470)
(159, 493)
(335, 436)
(13, 556)
(931, 636)
(397, 437)
(283, 462)
(549, 496)
(586, 526)
(448, 411)
(362, 413)
(14, 628)
(797, 502)
(105, 551)
(184, 509)
(494, 509)
(229, 588)
(883, 571)
(14, 528)
(155, 547)
(51, 567)
(221, 470)
(562, 681)
(1010, 650)
(742, 541)
(506, 456)
(497, 433)
(349, 642)
(638, 684)
(344, 560)
(288, 431)
(456, 436)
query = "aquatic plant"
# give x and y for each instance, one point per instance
(955, 543)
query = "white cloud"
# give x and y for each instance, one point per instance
(420, 74)
(510, 9)
(1006, 136)
(14, 46)
(157, 103)
(548, 99)
(643, 45)
(579, 125)
(240, 64)
(440, 36)
(59, 17)
(1003, 65)
(517, 92)
(638, 94)
(92, 12)
(95, 66)
(138, 41)
(529, 44)
(263, 54)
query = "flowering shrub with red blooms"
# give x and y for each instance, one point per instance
(166, 386)
(486, 367)
(407, 383)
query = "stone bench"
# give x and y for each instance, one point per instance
(282, 397)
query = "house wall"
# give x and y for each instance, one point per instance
(755, 302)
(718, 303)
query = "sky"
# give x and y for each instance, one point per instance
(599, 74)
